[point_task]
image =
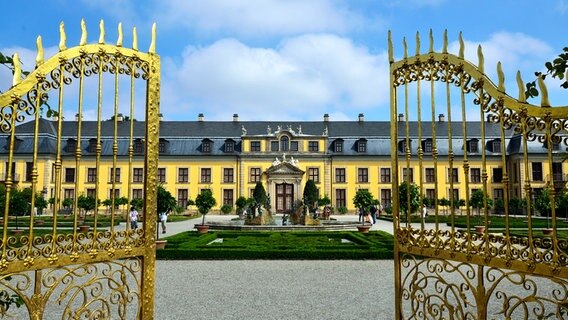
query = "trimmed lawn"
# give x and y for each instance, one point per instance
(235, 245)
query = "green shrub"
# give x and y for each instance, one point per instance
(226, 209)
(342, 210)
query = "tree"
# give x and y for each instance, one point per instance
(259, 195)
(205, 201)
(311, 195)
(166, 202)
(477, 201)
(363, 199)
(556, 68)
(87, 203)
(241, 204)
(137, 203)
(40, 203)
(562, 203)
(67, 202)
(404, 190)
(543, 205)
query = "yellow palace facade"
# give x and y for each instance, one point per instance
(230, 157)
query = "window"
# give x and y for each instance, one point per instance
(137, 194)
(452, 175)
(114, 195)
(228, 175)
(29, 169)
(161, 175)
(537, 171)
(402, 145)
(71, 145)
(496, 145)
(497, 174)
(114, 174)
(138, 146)
(255, 146)
(229, 145)
(498, 194)
(557, 171)
(385, 175)
(338, 145)
(472, 146)
(293, 145)
(92, 147)
(431, 196)
(454, 195)
(284, 143)
(91, 175)
(428, 146)
(69, 175)
(340, 198)
(138, 175)
(68, 194)
(362, 175)
(183, 175)
(163, 146)
(182, 198)
(254, 175)
(92, 193)
(13, 171)
(386, 197)
(206, 146)
(205, 175)
(362, 145)
(430, 177)
(407, 174)
(475, 175)
(228, 197)
(313, 146)
(273, 145)
(340, 175)
(313, 174)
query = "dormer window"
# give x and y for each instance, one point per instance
(71, 145)
(206, 145)
(138, 146)
(362, 145)
(427, 145)
(338, 145)
(92, 145)
(229, 145)
(472, 146)
(555, 145)
(495, 145)
(163, 146)
(402, 145)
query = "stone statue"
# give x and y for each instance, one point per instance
(300, 129)
(268, 130)
(325, 131)
(276, 162)
(243, 131)
(284, 157)
(278, 128)
(293, 161)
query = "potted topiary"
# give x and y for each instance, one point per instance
(166, 203)
(477, 202)
(362, 201)
(204, 202)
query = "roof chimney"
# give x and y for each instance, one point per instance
(235, 117)
(161, 116)
(77, 117)
(200, 117)
(119, 117)
(441, 117)
(361, 117)
(326, 117)
(401, 117)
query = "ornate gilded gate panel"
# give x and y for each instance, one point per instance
(480, 161)
(54, 268)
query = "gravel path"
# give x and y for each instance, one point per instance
(262, 289)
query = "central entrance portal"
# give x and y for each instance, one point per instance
(284, 197)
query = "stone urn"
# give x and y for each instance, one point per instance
(17, 231)
(363, 228)
(202, 228)
(161, 244)
(84, 228)
(480, 229)
(547, 231)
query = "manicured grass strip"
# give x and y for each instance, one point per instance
(278, 245)
(497, 222)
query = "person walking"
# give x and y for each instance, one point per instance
(374, 213)
(361, 214)
(163, 219)
(133, 218)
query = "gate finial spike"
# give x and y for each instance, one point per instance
(462, 46)
(102, 32)
(39, 57)
(17, 69)
(544, 93)
(417, 43)
(431, 49)
(445, 48)
(391, 53)
(83, 33)
(62, 36)
(152, 48)
(119, 41)
(501, 77)
(521, 85)
(134, 39)
(481, 59)
(405, 47)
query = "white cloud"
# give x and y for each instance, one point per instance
(259, 17)
(304, 78)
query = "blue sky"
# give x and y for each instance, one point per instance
(293, 59)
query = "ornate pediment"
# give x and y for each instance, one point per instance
(284, 168)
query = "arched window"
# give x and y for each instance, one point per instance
(284, 143)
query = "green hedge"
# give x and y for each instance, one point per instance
(278, 245)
